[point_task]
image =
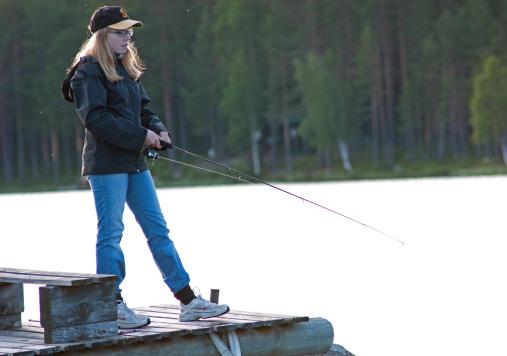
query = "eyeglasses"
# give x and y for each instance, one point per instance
(123, 33)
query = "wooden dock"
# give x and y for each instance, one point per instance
(78, 317)
(258, 334)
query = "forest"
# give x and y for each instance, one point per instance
(283, 89)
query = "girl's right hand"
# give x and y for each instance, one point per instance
(152, 140)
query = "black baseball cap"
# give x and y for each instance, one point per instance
(113, 17)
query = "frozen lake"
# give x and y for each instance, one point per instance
(443, 293)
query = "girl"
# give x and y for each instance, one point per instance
(103, 82)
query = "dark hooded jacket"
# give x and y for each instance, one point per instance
(115, 117)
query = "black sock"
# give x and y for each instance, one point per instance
(185, 295)
(119, 298)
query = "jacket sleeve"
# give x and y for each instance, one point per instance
(90, 97)
(149, 119)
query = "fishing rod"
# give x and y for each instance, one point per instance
(239, 176)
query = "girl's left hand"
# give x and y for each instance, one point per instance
(165, 136)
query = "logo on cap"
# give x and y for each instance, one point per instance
(124, 13)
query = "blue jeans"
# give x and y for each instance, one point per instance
(111, 191)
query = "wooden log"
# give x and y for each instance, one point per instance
(78, 313)
(313, 337)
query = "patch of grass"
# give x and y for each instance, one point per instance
(305, 169)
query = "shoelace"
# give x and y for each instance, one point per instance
(127, 310)
(205, 303)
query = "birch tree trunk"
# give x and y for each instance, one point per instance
(343, 149)
(286, 126)
(504, 148)
(55, 154)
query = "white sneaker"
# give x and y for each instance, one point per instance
(128, 319)
(200, 308)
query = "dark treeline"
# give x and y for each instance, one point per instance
(348, 82)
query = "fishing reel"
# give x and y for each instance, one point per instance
(150, 154)
(153, 154)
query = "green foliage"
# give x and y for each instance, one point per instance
(201, 89)
(238, 48)
(236, 103)
(405, 79)
(324, 100)
(488, 104)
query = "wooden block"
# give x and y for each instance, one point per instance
(11, 298)
(10, 321)
(69, 306)
(80, 332)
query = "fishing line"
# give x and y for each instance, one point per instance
(242, 174)
(204, 169)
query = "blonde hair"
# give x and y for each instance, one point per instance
(98, 47)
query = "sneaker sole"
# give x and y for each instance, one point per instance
(123, 325)
(192, 317)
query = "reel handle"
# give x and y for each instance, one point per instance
(165, 145)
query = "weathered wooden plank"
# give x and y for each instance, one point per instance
(38, 349)
(160, 322)
(110, 341)
(231, 314)
(19, 333)
(96, 278)
(48, 280)
(80, 332)
(196, 327)
(11, 298)
(290, 318)
(144, 335)
(160, 317)
(22, 340)
(36, 345)
(171, 318)
(28, 339)
(38, 337)
(32, 323)
(229, 317)
(163, 331)
(17, 352)
(10, 321)
(68, 306)
(227, 321)
(33, 328)
(207, 323)
(240, 312)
